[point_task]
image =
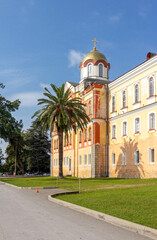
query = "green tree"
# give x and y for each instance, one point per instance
(1, 159)
(37, 150)
(61, 110)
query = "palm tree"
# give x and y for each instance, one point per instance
(62, 110)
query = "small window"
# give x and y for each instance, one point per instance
(151, 121)
(124, 128)
(137, 96)
(151, 155)
(137, 125)
(113, 103)
(85, 135)
(90, 107)
(85, 159)
(89, 70)
(89, 134)
(113, 131)
(80, 137)
(80, 159)
(113, 158)
(136, 156)
(89, 159)
(124, 158)
(100, 70)
(124, 99)
(64, 161)
(151, 86)
(54, 162)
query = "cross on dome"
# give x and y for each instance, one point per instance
(95, 42)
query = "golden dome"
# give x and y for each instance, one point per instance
(94, 55)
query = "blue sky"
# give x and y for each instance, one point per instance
(43, 42)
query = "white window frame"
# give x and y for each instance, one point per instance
(149, 127)
(149, 92)
(151, 155)
(113, 107)
(137, 132)
(113, 159)
(114, 133)
(137, 84)
(101, 65)
(124, 135)
(136, 157)
(89, 69)
(124, 106)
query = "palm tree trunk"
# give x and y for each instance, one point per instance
(60, 134)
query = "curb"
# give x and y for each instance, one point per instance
(134, 227)
(14, 186)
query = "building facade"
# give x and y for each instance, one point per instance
(121, 138)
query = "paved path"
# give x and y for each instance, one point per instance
(25, 214)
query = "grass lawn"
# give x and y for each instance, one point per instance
(131, 199)
(136, 204)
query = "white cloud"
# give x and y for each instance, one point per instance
(75, 57)
(28, 99)
(115, 18)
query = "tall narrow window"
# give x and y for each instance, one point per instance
(137, 125)
(89, 134)
(137, 96)
(113, 158)
(89, 70)
(89, 159)
(151, 155)
(124, 128)
(70, 139)
(124, 99)
(113, 131)
(85, 135)
(80, 137)
(151, 121)
(113, 103)
(90, 107)
(100, 70)
(124, 158)
(85, 159)
(151, 86)
(136, 156)
(80, 159)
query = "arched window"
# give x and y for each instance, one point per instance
(113, 103)
(89, 70)
(85, 135)
(124, 99)
(151, 121)
(137, 125)
(125, 128)
(137, 96)
(89, 134)
(100, 70)
(90, 107)
(151, 86)
(80, 137)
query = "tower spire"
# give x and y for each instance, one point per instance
(95, 42)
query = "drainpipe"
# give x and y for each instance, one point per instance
(107, 135)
